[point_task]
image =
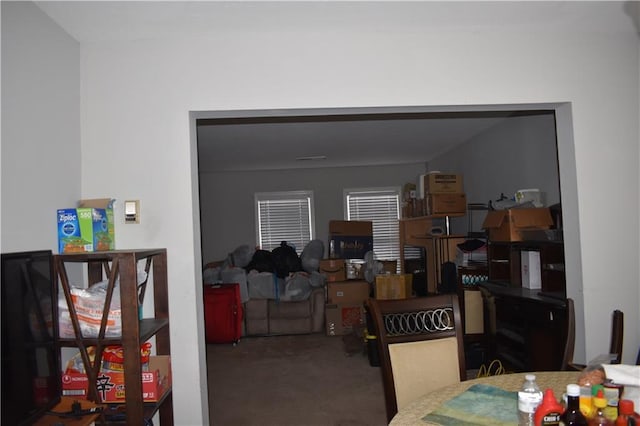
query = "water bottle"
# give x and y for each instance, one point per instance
(529, 397)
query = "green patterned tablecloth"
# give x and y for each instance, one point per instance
(450, 405)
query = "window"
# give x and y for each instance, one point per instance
(382, 207)
(284, 216)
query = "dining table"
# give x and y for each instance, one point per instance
(424, 410)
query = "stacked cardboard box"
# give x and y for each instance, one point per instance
(437, 194)
(443, 193)
(393, 286)
(350, 239)
(345, 306)
(346, 291)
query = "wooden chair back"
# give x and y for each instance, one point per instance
(570, 338)
(615, 348)
(617, 334)
(420, 342)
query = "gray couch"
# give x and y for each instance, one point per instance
(275, 317)
(275, 306)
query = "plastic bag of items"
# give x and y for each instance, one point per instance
(89, 304)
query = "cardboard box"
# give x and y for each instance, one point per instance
(341, 318)
(333, 269)
(446, 203)
(155, 382)
(350, 239)
(393, 286)
(440, 183)
(508, 225)
(348, 292)
(530, 269)
(359, 228)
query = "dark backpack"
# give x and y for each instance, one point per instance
(286, 260)
(262, 261)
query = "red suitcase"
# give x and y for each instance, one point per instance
(222, 313)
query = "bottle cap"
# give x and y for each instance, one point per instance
(530, 377)
(625, 406)
(549, 396)
(573, 390)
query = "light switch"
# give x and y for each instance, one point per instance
(132, 211)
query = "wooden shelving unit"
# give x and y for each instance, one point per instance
(120, 266)
(415, 231)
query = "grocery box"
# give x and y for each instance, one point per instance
(350, 239)
(341, 318)
(454, 203)
(439, 183)
(508, 225)
(82, 230)
(345, 292)
(333, 269)
(393, 286)
(107, 204)
(155, 382)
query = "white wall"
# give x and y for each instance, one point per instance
(136, 140)
(40, 127)
(227, 199)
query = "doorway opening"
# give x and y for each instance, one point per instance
(220, 186)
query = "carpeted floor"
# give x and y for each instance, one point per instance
(304, 380)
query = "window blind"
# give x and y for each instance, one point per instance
(284, 216)
(381, 207)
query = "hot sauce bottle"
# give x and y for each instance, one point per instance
(549, 411)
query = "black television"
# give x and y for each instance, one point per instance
(30, 381)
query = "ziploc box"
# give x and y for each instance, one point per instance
(82, 230)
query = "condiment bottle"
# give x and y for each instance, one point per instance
(572, 415)
(549, 411)
(599, 419)
(612, 395)
(586, 401)
(626, 413)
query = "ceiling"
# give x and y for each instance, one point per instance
(330, 140)
(274, 140)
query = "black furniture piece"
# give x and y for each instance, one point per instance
(30, 355)
(527, 330)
